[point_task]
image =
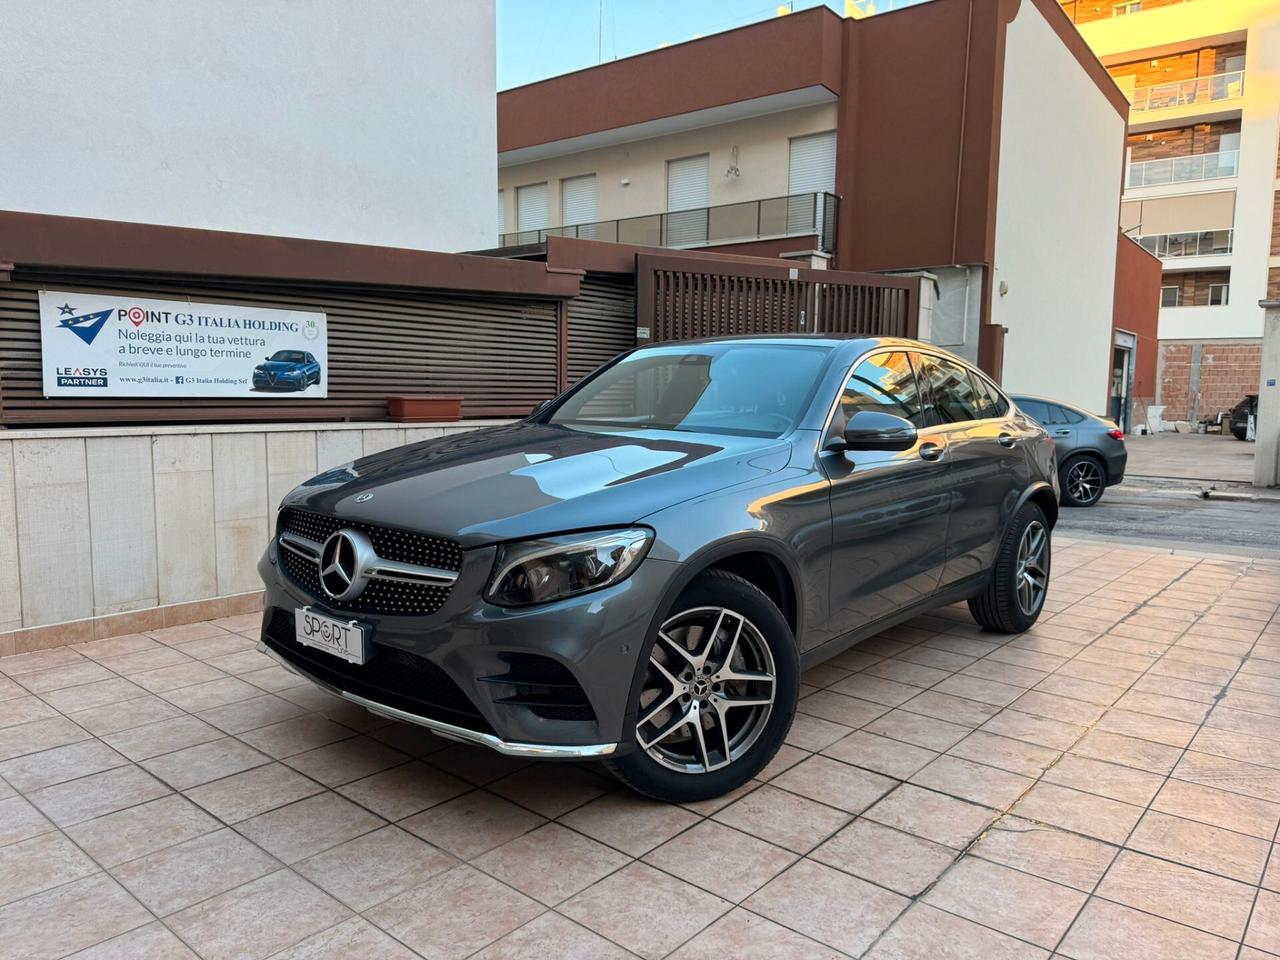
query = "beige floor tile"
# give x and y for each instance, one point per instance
(75, 673)
(551, 863)
(1028, 728)
(99, 694)
(951, 709)
(125, 715)
(57, 922)
(472, 824)
(1094, 816)
(813, 733)
(244, 795)
(20, 820)
(214, 693)
(838, 708)
(974, 782)
(152, 942)
(826, 905)
(404, 790)
(892, 758)
(43, 769)
(1170, 890)
(723, 861)
(918, 730)
(783, 818)
(305, 828)
(250, 714)
(1019, 904)
(37, 864)
(550, 936)
(97, 794)
(933, 816)
(294, 736)
(37, 660)
(1105, 779)
(705, 808)
(168, 880)
(1200, 845)
(116, 646)
(141, 662)
(411, 739)
(192, 766)
(163, 679)
(258, 919)
(990, 692)
(137, 831)
(835, 783)
(242, 661)
(1233, 776)
(746, 936)
(1162, 707)
(454, 914)
(273, 679)
(219, 646)
(1054, 707)
(346, 760)
(1193, 801)
(348, 940)
(924, 931)
(1128, 751)
(644, 910)
(1262, 750)
(375, 867)
(1105, 931)
(1016, 756)
(875, 689)
(1056, 855)
(164, 736)
(629, 822)
(902, 862)
(477, 765)
(552, 789)
(186, 632)
(1264, 925)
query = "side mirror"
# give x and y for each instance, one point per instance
(872, 430)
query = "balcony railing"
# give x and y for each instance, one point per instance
(800, 214)
(1207, 243)
(1199, 166)
(1185, 93)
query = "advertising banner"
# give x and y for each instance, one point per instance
(99, 346)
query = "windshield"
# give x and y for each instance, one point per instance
(288, 356)
(745, 388)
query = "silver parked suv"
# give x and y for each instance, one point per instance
(640, 570)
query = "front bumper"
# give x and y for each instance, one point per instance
(457, 671)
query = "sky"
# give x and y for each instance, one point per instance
(544, 38)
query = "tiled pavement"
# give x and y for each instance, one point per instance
(1106, 785)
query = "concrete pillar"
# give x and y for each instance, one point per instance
(1266, 461)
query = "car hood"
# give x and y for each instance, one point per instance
(525, 480)
(280, 366)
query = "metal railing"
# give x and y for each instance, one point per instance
(800, 214)
(1199, 166)
(1085, 11)
(1185, 93)
(1206, 243)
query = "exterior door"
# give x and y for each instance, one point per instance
(988, 467)
(888, 509)
(688, 196)
(812, 171)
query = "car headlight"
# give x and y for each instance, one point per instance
(551, 568)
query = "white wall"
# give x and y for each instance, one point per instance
(1057, 216)
(308, 118)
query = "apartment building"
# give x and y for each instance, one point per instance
(922, 139)
(1203, 78)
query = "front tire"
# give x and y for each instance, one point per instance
(1014, 597)
(1082, 480)
(717, 692)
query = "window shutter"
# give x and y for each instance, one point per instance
(812, 171)
(578, 205)
(688, 190)
(502, 216)
(531, 207)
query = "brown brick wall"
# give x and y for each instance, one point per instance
(1227, 372)
(1203, 62)
(1273, 283)
(1082, 11)
(1182, 141)
(1194, 285)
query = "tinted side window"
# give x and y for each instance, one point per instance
(991, 403)
(884, 383)
(1037, 411)
(1071, 416)
(950, 388)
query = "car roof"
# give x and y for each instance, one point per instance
(1061, 403)
(848, 341)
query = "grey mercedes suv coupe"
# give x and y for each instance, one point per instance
(639, 570)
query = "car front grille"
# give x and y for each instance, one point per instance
(389, 676)
(379, 597)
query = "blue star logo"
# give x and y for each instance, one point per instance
(66, 310)
(86, 327)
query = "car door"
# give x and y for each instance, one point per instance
(988, 467)
(1055, 421)
(888, 509)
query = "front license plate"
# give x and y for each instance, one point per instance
(342, 638)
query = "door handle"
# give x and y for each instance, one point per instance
(1007, 440)
(931, 451)
(1062, 433)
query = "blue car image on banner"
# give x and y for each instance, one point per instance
(287, 370)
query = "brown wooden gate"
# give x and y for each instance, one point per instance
(681, 297)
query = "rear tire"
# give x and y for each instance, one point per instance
(718, 641)
(1011, 603)
(1082, 479)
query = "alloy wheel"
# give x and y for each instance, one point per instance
(708, 691)
(1084, 481)
(1032, 575)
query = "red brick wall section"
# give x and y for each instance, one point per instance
(1137, 310)
(1227, 372)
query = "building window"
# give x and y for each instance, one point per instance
(688, 196)
(578, 205)
(812, 171)
(1126, 8)
(531, 207)
(1219, 294)
(502, 213)
(1170, 297)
